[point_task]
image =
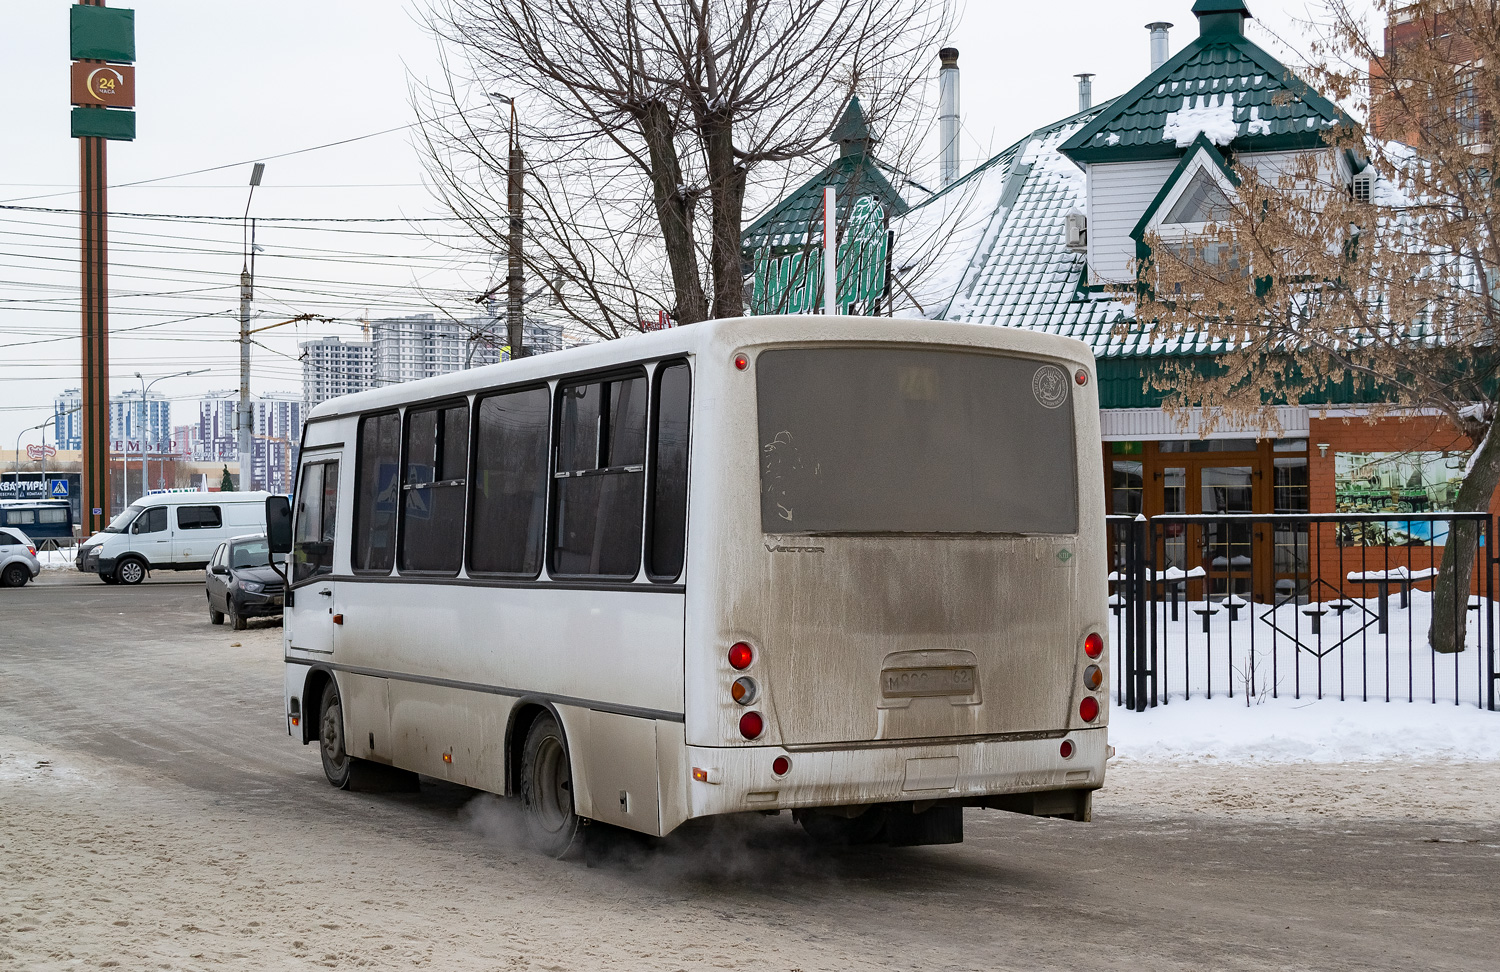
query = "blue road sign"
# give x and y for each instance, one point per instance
(60, 488)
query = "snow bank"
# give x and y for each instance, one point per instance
(57, 559)
(1305, 731)
(1213, 120)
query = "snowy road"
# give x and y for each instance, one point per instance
(153, 814)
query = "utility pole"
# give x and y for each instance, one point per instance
(244, 419)
(515, 281)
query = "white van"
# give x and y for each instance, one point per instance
(169, 531)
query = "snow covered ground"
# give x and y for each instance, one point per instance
(57, 559)
(1305, 731)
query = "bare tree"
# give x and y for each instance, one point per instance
(1307, 279)
(650, 124)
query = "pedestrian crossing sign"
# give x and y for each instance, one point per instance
(59, 488)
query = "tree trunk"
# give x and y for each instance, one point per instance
(1450, 592)
(726, 179)
(674, 211)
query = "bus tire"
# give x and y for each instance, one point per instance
(131, 570)
(338, 765)
(16, 575)
(547, 788)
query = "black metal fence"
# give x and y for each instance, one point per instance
(1306, 606)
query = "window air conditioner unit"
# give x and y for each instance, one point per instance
(1363, 183)
(1078, 232)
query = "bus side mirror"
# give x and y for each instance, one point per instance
(279, 525)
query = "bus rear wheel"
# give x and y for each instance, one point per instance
(547, 788)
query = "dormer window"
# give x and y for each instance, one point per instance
(1203, 201)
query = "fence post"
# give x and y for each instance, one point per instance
(1490, 559)
(1128, 608)
(1139, 595)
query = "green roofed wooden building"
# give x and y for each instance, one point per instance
(1040, 235)
(790, 223)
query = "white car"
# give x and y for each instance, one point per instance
(18, 561)
(169, 531)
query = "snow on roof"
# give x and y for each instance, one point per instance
(1213, 119)
(994, 248)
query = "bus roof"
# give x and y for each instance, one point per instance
(704, 337)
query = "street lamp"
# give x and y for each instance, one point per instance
(242, 420)
(17, 473)
(145, 387)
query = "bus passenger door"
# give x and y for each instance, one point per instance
(312, 614)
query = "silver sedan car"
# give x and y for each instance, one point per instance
(18, 563)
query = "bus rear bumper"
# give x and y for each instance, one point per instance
(733, 780)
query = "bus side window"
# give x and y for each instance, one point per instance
(375, 493)
(312, 546)
(669, 466)
(510, 483)
(53, 514)
(432, 491)
(601, 463)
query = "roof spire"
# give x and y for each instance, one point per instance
(1223, 17)
(852, 134)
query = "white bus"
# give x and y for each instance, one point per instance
(849, 567)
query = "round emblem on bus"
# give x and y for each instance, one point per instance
(1050, 386)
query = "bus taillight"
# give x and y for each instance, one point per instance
(781, 766)
(1088, 709)
(1093, 645)
(752, 725)
(1066, 749)
(1093, 677)
(740, 656)
(744, 690)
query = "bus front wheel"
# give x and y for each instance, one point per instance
(547, 788)
(337, 763)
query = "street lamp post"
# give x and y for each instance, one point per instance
(17, 473)
(243, 421)
(146, 387)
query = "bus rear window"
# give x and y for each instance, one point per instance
(897, 440)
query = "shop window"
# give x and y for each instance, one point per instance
(1126, 487)
(1207, 445)
(1289, 494)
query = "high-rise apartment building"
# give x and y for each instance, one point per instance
(332, 367)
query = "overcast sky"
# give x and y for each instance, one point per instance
(221, 83)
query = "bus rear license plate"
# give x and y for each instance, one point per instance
(915, 683)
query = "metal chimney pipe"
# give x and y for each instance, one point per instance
(1085, 91)
(1159, 52)
(948, 114)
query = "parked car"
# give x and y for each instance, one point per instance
(169, 531)
(241, 583)
(18, 561)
